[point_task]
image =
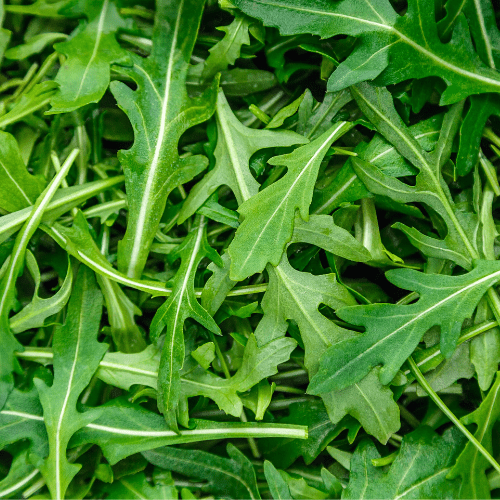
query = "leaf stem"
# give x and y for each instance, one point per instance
(440, 404)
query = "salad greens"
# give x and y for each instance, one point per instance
(249, 249)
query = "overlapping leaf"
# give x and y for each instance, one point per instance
(77, 354)
(181, 305)
(393, 331)
(160, 111)
(84, 77)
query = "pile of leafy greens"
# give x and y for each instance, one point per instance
(248, 249)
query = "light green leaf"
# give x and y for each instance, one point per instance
(321, 230)
(33, 45)
(64, 200)
(268, 216)
(233, 477)
(171, 316)
(38, 310)
(37, 97)
(225, 52)
(136, 486)
(393, 331)
(205, 354)
(19, 189)
(277, 485)
(10, 345)
(235, 145)
(77, 354)
(258, 363)
(295, 295)
(160, 112)
(89, 53)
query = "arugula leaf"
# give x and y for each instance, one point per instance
(181, 305)
(10, 345)
(76, 357)
(233, 476)
(124, 429)
(277, 485)
(84, 77)
(38, 310)
(19, 188)
(235, 145)
(321, 431)
(268, 216)
(471, 465)
(420, 468)
(225, 52)
(393, 331)
(160, 112)
(394, 48)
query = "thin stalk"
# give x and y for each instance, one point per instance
(439, 403)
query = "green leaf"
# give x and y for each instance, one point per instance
(13, 270)
(406, 46)
(136, 486)
(419, 471)
(33, 100)
(299, 489)
(77, 354)
(121, 311)
(369, 402)
(471, 465)
(321, 431)
(123, 429)
(233, 476)
(295, 295)
(19, 189)
(84, 77)
(22, 418)
(33, 45)
(235, 145)
(64, 200)
(205, 354)
(485, 349)
(378, 106)
(471, 131)
(38, 310)
(277, 485)
(268, 216)
(393, 331)
(160, 112)
(225, 52)
(321, 230)
(171, 316)
(258, 363)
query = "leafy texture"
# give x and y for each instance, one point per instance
(268, 216)
(76, 357)
(235, 145)
(470, 465)
(419, 471)
(182, 304)
(233, 476)
(393, 331)
(160, 111)
(84, 77)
